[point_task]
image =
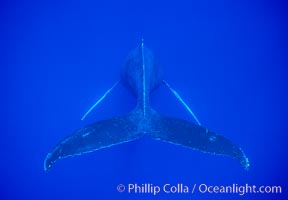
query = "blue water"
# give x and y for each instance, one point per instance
(227, 59)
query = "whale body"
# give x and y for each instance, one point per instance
(142, 75)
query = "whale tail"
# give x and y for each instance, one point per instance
(132, 126)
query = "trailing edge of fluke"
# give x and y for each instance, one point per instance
(142, 75)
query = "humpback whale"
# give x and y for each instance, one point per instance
(142, 75)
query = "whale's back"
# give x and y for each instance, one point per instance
(132, 75)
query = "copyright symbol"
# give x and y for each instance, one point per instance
(120, 188)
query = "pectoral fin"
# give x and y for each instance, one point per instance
(100, 100)
(176, 94)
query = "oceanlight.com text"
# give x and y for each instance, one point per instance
(239, 189)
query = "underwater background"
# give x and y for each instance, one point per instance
(227, 59)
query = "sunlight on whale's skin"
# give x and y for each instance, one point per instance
(141, 76)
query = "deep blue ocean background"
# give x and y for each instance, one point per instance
(228, 60)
